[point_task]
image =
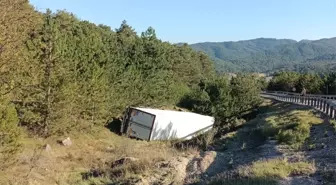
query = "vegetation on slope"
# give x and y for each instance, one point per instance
(269, 55)
(253, 155)
(90, 160)
(292, 128)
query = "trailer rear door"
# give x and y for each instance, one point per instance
(140, 124)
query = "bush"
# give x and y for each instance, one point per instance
(9, 132)
(295, 136)
(270, 129)
(292, 128)
(197, 101)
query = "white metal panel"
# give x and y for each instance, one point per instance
(140, 124)
(139, 132)
(174, 124)
(142, 118)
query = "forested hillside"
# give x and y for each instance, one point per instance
(268, 55)
(74, 70)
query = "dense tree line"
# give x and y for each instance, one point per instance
(314, 83)
(59, 73)
(225, 99)
(80, 71)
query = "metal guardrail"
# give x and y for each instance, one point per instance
(332, 97)
(319, 102)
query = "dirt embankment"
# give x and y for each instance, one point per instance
(285, 145)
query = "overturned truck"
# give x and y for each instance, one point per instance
(155, 124)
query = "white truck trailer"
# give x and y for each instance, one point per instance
(155, 124)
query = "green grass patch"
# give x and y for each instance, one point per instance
(266, 172)
(291, 128)
(276, 168)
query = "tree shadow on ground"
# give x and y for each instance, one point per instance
(166, 133)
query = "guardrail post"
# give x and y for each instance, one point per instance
(324, 106)
(333, 112)
(310, 101)
(314, 102)
(331, 109)
(327, 108)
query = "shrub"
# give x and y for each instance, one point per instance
(292, 128)
(9, 132)
(295, 136)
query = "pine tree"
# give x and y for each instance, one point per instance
(17, 20)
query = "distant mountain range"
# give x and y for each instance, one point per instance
(269, 55)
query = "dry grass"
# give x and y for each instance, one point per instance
(72, 165)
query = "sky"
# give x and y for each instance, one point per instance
(193, 21)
